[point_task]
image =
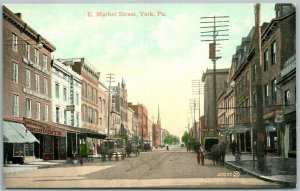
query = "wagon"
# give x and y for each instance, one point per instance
(114, 147)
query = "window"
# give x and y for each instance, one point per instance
(45, 61)
(95, 95)
(273, 91)
(37, 83)
(84, 114)
(46, 113)
(287, 98)
(14, 42)
(77, 119)
(90, 115)
(15, 72)
(90, 93)
(100, 104)
(84, 89)
(77, 99)
(27, 50)
(28, 108)
(65, 117)
(273, 56)
(37, 110)
(15, 105)
(95, 120)
(254, 72)
(45, 86)
(57, 90)
(57, 114)
(65, 94)
(266, 60)
(36, 56)
(27, 78)
(266, 90)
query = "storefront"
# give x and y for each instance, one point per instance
(53, 140)
(18, 143)
(290, 134)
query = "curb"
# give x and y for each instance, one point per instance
(266, 178)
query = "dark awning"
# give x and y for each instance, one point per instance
(17, 133)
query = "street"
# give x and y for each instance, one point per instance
(157, 169)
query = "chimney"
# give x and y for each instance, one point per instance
(19, 15)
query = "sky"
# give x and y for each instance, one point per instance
(157, 56)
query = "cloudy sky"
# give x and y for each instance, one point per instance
(158, 56)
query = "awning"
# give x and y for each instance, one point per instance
(17, 133)
(92, 134)
(242, 129)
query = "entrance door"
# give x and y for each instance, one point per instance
(56, 148)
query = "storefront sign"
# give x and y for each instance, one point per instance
(37, 127)
(289, 65)
(70, 108)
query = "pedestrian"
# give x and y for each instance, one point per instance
(202, 156)
(198, 156)
(233, 147)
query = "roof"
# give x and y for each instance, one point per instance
(17, 133)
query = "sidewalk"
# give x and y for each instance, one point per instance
(281, 170)
(15, 168)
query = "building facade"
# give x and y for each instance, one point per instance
(27, 83)
(207, 78)
(142, 120)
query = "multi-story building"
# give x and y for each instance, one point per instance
(279, 80)
(66, 94)
(132, 123)
(91, 132)
(27, 83)
(142, 120)
(119, 101)
(207, 78)
(103, 107)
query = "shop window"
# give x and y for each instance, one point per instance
(29, 149)
(48, 144)
(18, 149)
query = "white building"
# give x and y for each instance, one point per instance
(66, 94)
(132, 123)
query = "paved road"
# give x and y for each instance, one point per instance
(158, 169)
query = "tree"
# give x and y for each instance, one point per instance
(171, 139)
(185, 138)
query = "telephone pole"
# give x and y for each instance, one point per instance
(214, 34)
(110, 78)
(197, 88)
(258, 84)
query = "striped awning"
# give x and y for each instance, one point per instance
(17, 133)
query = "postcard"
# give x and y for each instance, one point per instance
(149, 95)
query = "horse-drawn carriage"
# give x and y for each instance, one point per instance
(114, 147)
(133, 146)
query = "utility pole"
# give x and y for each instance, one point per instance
(110, 78)
(258, 84)
(142, 127)
(197, 87)
(217, 29)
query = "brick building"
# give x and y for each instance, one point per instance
(27, 84)
(141, 113)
